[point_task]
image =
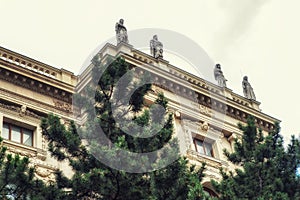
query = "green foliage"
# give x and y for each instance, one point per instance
(17, 179)
(266, 170)
(94, 179)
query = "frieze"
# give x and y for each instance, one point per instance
(202, 109)
(31, 101)
(62, 105)
(23, 111)
(204, 104)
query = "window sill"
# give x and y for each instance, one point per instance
(24, 150)
(210, 161)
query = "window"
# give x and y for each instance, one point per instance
(17, 134)
(203, 147)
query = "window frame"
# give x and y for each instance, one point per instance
(21, 133)
(204, 143)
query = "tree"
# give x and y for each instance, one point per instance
(265, 169)
(105, 100)
(17, 180)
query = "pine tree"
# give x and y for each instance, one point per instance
(17, 180)
(266, 170)
(93, 179)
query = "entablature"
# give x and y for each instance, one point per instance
(207, 103)
(13, 102)
(36, 85)
(36, 76)
(213, 98)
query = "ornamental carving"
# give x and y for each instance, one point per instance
(21, 152)
(35, 85)
(203, 109)
(62, 105)
(46, 174)
(23, 111)
(42, 172)
(193, 155)
(204, 126)
(39, 153)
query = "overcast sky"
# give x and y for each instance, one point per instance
(258, 38)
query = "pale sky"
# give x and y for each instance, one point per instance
(258, 38)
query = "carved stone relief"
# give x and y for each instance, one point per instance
(45, 174)
(39, 153)
(21, 152)
(21, 110)
(202, 109)
(204, 126)
(62, 105)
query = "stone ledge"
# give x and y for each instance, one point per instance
(24, 150)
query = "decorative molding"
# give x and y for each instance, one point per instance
(28, 63)
(21, 152)
(43, 172)
(211, 162)
(202, 129)
(24, 150)
(31, 101)
(35, 85)
(37, 159)
(204, 126)
(205, 103)
(21, 110)
(202, 109)
(67, 107)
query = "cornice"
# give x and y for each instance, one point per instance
(201, 96)
(202, 92)
(35, 85)
(136, 56)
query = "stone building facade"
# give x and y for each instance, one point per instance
(206, 115)
(29, 90)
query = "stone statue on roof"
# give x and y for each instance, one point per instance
(247, 89)
(121, 32)
(156, 47)
(219, 77)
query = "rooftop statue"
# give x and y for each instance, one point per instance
(156, 47)
(121, 32)
(219, 77)
(247, 89)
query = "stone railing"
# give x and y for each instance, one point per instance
(36, 66)
(23, 62)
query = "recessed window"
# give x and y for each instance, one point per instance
(17, 134)
(203, 147)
